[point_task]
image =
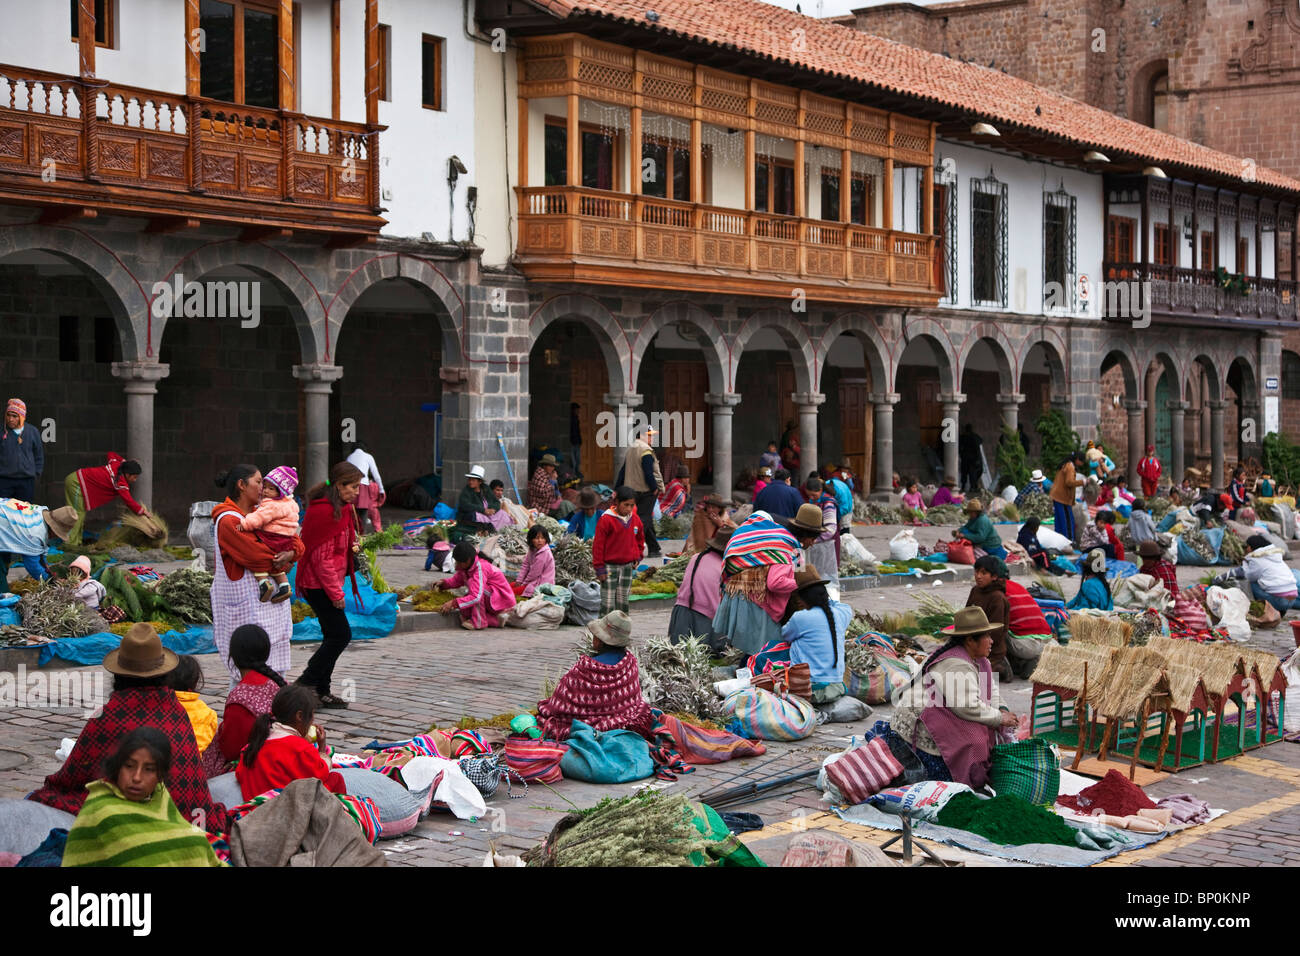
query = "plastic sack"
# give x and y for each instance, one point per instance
(584, 603)
(443, 511)
(844, 710)
(555, 594)
(903, 546)
(761, 715)
(537, 613)
(1230, 606)
(851, 549)
(961, 551)
(1187, 556)
(1141, 591)
(1029, 769)
(1053, 540)
(1291, 671)
(920, 801)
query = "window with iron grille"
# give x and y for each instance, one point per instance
(988, 238)
(945, 227)
(1290, 375)
(1058, 249)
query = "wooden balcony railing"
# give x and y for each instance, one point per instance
(564, 222)
(1196, 292)
(103, 132)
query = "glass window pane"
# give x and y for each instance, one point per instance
(858, 201)
(431, 73)
(217, 60)
(783, 201)
(597, 161)
(760, 187)
(682, 175)
(261, 59)
(654, 170)
(830, 196)
(557, 155)
(983, 219)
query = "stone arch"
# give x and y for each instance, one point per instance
(1168, 365)
(127, 298)
(945, 354)
(450, 306)
(878, 352)
(1055, 351)
(1140, 94)
(1248, 394)
(1004, 354)
(1124, 356)
(1213, 374)
(711, 344)
(615, 348)
(304, 300)
(792, 333)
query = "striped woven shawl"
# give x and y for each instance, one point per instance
(111, 830)
(757, 543)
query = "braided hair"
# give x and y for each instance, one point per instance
(815, 596)
(250, 647)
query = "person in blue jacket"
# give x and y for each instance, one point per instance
(583, 520)
(1094, 592)
(779, 499)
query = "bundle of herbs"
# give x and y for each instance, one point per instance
(678, 678)
(53, 610)
(187, 595)
(673, 528)
(368, 558)
(946, 515)
(1035, 504)
(645, 829)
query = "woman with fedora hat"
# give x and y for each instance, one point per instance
(711, 517)
(543, 489)
(950, 715)
(979, 530)
(25, 530)
(140, 698)
(584, 518)
(815, 627)
(699, 594)
(473, 504)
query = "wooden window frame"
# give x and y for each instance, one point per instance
(1207, 263)
(868, 208)
(1161, 238)
(439, 70)
(240, 92)
(385, 48)
(1243, 255)
(1112, 244)
(671, 146)
(619, 144)
(110, 24)
(772, 163)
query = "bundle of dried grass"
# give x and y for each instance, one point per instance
(1134, 676)
(678, 678)
(1089, 627)
(1063, 665)
(1183, 682)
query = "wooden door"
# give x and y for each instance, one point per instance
(785, 387)
(855, 426)
(589, 382)
(685, 385)
(929, 412)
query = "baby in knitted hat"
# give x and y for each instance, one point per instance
(274, 523)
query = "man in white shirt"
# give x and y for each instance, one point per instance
(372, 495)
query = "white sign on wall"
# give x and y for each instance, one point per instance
(1270, 413)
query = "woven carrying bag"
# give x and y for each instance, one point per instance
(486, 771)
(761, 715)
(864, 771)
(1030, 769)
(786, 680)
(535, 759)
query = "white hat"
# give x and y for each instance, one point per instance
(476, 472)
(1037, 475)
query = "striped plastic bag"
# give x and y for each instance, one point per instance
(761, 715)
(535, 759)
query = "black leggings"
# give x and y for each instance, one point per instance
(645, 509)
(336, 634)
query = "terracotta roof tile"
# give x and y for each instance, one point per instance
(769, 31)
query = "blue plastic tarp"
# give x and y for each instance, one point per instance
(1114, 569)
(1187, 556)
(376, 619)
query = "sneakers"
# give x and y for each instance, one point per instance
(265, 588)
(332, 702)
(282, 593)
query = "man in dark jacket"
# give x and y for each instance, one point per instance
(779, 499)
(969, 460)
(22, 456)
(575, 436)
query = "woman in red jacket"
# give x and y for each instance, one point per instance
(329, 536)
(280, 749)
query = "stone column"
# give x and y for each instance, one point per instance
(950, 428)
(806, 405)
(1011, 402)
(1217, 439)
(1149, 384)
(723, 405)
(623, 404)
(317, 383)
(1136, 448)
(141, 385)
(1177, 459)
(883, 452)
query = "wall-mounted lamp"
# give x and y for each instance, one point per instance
(1092, 156)
(1154, 171)
(984, 129)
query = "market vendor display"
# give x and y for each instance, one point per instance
(25, 530)
(979, 530)
(950, 715)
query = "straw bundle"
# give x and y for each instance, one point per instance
(1183, 682)
(1106, 629)
(1266, 663)
(1062, 666)
(1215, 664)
(1135, 674)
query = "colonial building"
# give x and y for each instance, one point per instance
(434, 226)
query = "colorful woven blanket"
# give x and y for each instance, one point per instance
(758, 542)
(111, 830)
(604, 696)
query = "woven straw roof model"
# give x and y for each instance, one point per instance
(1216, 664)
(1108, 629)
(1062, 665)
(1134, 675)
(1183, 682)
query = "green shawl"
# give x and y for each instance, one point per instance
(111, 830)
(980, 532)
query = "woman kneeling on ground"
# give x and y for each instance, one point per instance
(979, 530)
(603, 689)
(950, 716)
(129, 818)
(280, 749)
(1264, 566)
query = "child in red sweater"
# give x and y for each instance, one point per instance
(616, 551)
(281, 750)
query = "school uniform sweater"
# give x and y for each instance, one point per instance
(618, 540)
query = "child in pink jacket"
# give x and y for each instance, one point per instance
(489, 591)
(539, 564)
(275, 524)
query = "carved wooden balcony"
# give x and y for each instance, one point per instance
(1195, 296)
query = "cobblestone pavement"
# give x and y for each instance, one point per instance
(412, 679)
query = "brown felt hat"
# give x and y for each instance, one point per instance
(808, 518)
(683, 471)
(1149, 549)
(807, 578)
(716, 501)
(970, 621)
(975, 505)
(61, 521)
(548, 460)
(141, 654)
(719, 540)
(587, 498)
